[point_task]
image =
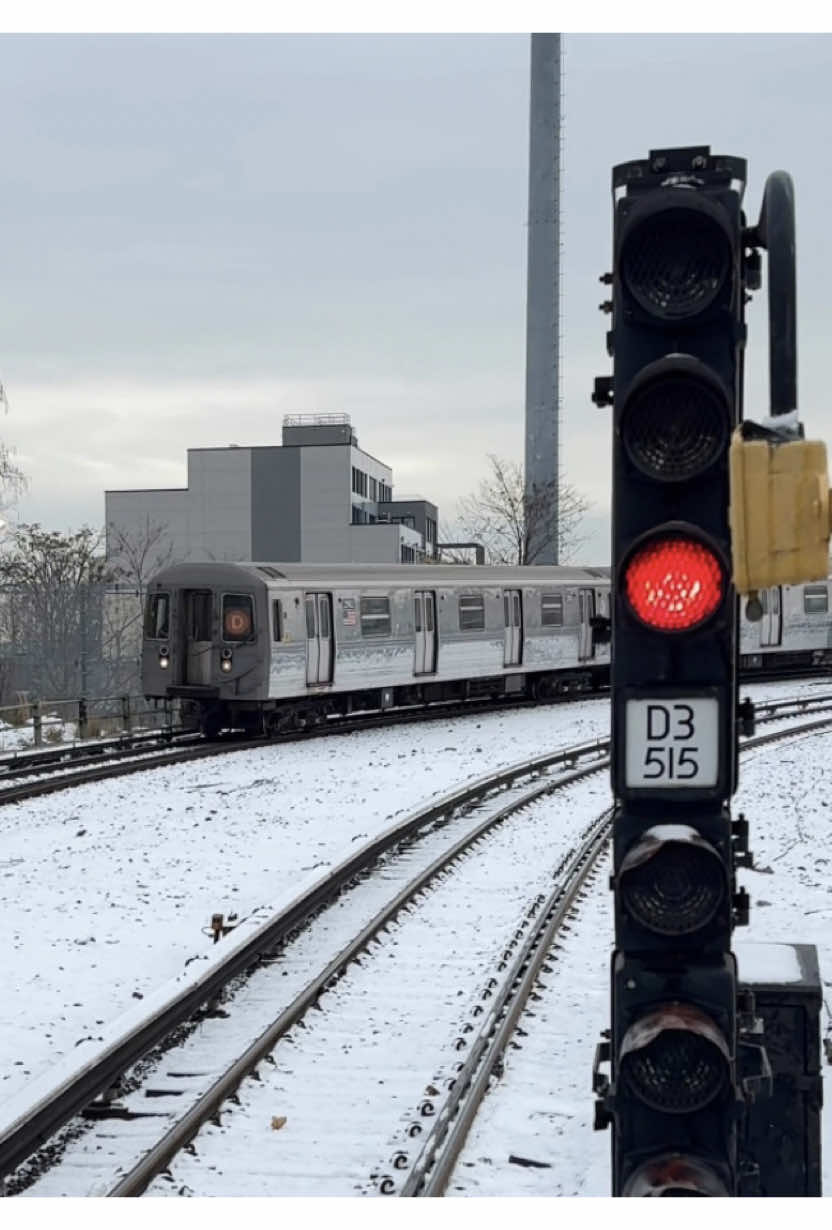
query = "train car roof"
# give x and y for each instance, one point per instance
(421, 575)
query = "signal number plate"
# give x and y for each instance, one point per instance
(672, 743)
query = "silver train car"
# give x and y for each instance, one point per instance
(271, 647)
(794, 633)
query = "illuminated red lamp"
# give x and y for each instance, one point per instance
(674, 583)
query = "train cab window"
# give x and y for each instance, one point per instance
(551, 610)
(375, 616)
(157, 617)
(471, 612)
(815, 599)
(277, 620)
(237, 617)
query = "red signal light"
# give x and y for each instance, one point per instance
(674, 583)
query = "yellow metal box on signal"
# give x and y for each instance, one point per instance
(779, 511)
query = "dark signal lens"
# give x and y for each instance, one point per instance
(676, 262)
(675, 426)
(672, 887)
(674, 583)
(675, 1060)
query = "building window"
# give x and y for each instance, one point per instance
(385, 493)
(551, 610)
(375, 616)
(359, 481)
(408, 555)
(373, 488)
(471, 612)
(360, 516)
(237, 617)
(430, 530)
(815, 599)
(156, 624)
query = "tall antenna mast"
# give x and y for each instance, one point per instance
(543, 290)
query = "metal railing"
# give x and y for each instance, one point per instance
(33, 721)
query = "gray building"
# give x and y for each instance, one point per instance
(317, 498)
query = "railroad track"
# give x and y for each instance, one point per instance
(427, 1171)
(93, 765)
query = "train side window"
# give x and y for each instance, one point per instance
(815, 599)
(323, 611)
(471, 612)
(551, 610)
(157, 618)
(375, 616)
(429, 613)
(310, 619)
(417, 614)
(277, 619)
(237, 617)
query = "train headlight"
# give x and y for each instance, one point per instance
(225, 664)
(164, 657)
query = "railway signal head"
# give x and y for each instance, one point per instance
(676, 341)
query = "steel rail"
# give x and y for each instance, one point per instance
(134, 1183)
(437, 1157)
(65, 778)
(23, 1137)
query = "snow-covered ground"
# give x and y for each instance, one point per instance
(109, 887)
(542, 1109)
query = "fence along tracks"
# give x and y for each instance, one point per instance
(429, 1173)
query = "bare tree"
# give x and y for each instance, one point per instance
(134, 556)
(52, 585)
(514, 527)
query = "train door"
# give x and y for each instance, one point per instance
(513, 617)
(319, 654)
(586, 610)
(199, 611)
(771, 624)
(424, 624)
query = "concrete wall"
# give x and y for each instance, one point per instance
(137, 514)
(325, 480)
(276, 504)
(374, 544)
(219, 498)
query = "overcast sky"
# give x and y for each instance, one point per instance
(200, 234)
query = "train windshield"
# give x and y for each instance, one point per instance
(237, 617)
(157, 621)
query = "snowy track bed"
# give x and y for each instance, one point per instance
(488, 740)
(534, 1134)
(458, 927)
(109, 888)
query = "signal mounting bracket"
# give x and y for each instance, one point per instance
(694, 165)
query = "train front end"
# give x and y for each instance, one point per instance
(205, 644)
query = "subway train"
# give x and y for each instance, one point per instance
(274, 647)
